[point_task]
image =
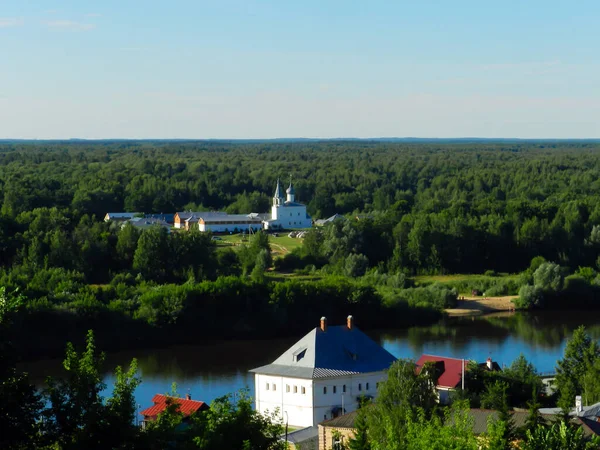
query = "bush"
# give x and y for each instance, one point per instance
(435, 296)
(355, 265)
(529, 297)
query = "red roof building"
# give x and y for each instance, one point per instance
(187, 406)
(449, 370)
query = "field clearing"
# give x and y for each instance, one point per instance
(281, 276)
(280, 245)
(424, 279)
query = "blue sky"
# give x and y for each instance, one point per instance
(328, 68)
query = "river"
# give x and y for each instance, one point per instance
(211, 370)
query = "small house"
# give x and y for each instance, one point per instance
(449, 373)
(187, 407)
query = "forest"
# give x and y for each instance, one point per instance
(410, 208)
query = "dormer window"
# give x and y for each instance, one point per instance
(299, 354)
(352, 355)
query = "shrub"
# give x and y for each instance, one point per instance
(529, 297)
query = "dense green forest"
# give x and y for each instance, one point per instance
(410, 208)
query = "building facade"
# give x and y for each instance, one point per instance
(230, 223)
(322, 376)
(286, 213)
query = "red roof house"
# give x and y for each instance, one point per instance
(187, 406)
(448, 370)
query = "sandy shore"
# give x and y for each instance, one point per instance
(481, 305)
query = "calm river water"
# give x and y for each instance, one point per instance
(210, 371)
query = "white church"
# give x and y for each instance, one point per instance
(321, 376)
(286, 213)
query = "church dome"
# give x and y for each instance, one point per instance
(290, 190)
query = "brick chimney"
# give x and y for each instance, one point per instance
(188, 396)
(350, 322)
(323, 323)
(489, 363)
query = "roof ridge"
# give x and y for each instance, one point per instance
(447, 357)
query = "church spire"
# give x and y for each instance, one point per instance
(278, 196)
(291, 192)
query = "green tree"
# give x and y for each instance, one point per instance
(534, 418)
(496, 397)
(454, 431)
(581, 354)
(559, 436)
(355, 265)
(151, 256)
(248, 254)
(549, 277)
(77, 416)
(232, 422)
(127, 242)
(261, 264)
(20, 404)
(403, 396)
(360, 440)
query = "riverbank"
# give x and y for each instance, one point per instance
(474, 306)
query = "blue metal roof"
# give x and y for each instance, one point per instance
(121, 215)
(335, 352)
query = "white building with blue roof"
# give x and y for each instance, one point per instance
(321, 376)
(286, 212)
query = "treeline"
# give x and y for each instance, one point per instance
(465, 207)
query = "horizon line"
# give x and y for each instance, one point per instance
(380, 138)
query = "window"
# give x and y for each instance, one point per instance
(274, 387)
(298, 355)
(359, 386)
(295, 389)
(290, 214)
(267, 386)
(324, 389)
(335, 389)
(337, 442)
(344, 388)
(287, 388)
(303, 390)
(367, 386)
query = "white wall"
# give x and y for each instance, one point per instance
(221, 228)
(314, 406)
(324, 403)
(297, 404)
(291, 217)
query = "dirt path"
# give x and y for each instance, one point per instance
(279, 249)
(480, 305)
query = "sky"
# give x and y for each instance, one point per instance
(237, 69)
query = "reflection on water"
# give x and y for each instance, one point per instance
(211, 370)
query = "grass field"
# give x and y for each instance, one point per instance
(280, 245)
(426, 279)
